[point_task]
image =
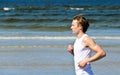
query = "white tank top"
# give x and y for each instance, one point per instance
(81, 52)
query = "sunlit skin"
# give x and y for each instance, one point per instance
(76, 29)
(87, 42)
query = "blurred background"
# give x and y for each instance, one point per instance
(34, 35)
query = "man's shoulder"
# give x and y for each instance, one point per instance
(87, 39)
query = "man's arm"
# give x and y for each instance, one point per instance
(99, 52)
(70, 49)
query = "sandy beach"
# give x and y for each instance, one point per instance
(50, 57)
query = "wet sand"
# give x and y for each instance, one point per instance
(50, 57)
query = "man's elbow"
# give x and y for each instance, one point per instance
(103, 54)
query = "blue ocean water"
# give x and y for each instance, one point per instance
(34, 35)
(56, 15)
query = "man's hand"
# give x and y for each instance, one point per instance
(82, 63)
(70, 49)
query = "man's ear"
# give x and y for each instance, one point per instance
(80, 27)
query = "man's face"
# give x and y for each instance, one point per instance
(75, 27)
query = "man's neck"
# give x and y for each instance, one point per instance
(80, 34)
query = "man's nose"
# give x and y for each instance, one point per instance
(71, 27)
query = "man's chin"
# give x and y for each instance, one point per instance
(73, 33)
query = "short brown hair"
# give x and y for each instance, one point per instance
(83, 21)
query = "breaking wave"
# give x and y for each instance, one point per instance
(54, 37)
